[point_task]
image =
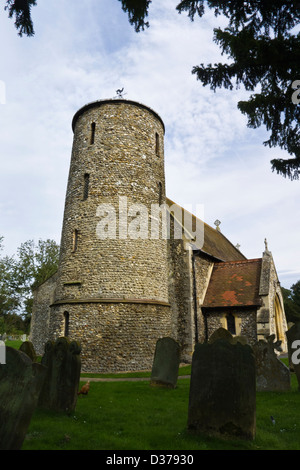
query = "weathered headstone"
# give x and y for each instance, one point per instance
(222, 333)
(293, 342)
(272, 375)
(2, 352)
(20, 384)
(166, 363)
(62, 359)
(222, 398)
(27, 348)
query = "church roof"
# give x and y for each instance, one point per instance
(234, 284)
(213, 242)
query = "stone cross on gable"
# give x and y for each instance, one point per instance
(217, 224)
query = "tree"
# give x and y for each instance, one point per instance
(265, 55)
(19, 275)
(36, 263)
(265, 58)
(137, 12)
(21, 9)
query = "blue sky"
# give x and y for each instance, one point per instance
(84, 51)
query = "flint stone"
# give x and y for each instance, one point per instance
(21, 381)
(292, 335)
(166, 363)
(272, 375)
(222, 399)
(62, 359)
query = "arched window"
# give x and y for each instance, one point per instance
(66, 323)
(279, 319)
(93, 128)
(230, 319)
(86, 184)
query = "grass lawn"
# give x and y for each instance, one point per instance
(134, 416)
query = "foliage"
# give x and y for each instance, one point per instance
(263, 46)
(19, 276)
(291, 298)
(265, 55)
(21, 9)
(137, 12)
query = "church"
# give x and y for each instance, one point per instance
(135, 266)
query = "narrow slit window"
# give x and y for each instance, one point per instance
(231, 323)
(156, 144)
(75, 241)
(86, 184)
(66, 323)
(159, 193)
(93, 128)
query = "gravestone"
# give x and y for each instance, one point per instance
(20, 385)
(293, 342)
(222, 333)
(27, 348)
(62, 359)
(272, 375)
(2, 352)
(166, 363)
(222, 399)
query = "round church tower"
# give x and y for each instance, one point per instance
(112, 284)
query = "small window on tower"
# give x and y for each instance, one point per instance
(86, 184)
(157, 144)
(75, 241)
(93, 127)
(66, 323)
(159, 193)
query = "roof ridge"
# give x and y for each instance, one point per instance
(208, 227)
(240, 261)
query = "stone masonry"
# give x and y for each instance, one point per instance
(113, 291)
(118, 288)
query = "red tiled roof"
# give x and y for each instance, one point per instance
(234, 284)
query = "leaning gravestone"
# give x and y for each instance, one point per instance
(62, 359)
(27, 348)
(222, 398)
(293, 342)
(272, 375)
(166, 363)
(20, 384)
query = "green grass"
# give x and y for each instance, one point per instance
(134, 416)
(183, 370)
(13, 343)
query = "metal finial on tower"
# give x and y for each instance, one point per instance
(217, 224)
